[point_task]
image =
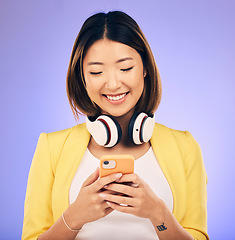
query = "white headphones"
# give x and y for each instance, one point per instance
(107, 132)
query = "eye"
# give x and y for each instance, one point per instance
(95, 73)
(126, 69)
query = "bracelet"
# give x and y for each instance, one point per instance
(73, 230)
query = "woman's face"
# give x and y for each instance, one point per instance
(114, 76)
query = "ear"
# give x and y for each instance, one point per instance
(145, 72)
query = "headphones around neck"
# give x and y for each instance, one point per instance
(107, 132)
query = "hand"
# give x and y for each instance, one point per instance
(89, 205)
(137, 196)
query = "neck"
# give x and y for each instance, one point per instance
(124, 123)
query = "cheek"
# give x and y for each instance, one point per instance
(91, 85)
(93, 88)
(139, 84)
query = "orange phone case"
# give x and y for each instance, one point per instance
(119, 163)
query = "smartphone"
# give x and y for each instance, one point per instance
(116, 164)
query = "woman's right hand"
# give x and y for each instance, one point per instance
(89, 206)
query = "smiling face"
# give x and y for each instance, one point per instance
(114, 76)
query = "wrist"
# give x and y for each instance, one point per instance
(66, 224)
(159, 214)
(71, 219)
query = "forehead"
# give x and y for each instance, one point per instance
(107, 50)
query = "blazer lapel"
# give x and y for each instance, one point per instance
(169, 158)
(71, 156)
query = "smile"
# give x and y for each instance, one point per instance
(116, 97)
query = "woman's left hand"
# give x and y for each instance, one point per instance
(136, 198)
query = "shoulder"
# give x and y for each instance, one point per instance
(67, 132)
(184, 140)
(55, 142)
(179, 135)
(188, 148)
(60, 137)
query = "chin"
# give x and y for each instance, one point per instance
(121, 113)
(116, 115)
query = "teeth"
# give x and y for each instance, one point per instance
(116, 98)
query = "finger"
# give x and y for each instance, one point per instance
(106, 180)
(123, 209)
(92, 178)
(118, 199)
(108, 210)
(120, 188)
(110, 192)
(133, 178)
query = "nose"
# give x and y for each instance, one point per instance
(112, 82)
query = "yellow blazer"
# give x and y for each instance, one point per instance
(58, 155)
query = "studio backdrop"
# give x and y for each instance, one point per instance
(193, 45)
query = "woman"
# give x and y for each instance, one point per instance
(113, 79)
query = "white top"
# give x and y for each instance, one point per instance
(117, 225)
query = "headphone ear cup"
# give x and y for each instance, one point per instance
(98, 130)
(113, 128)
(140, 128)
(134, 128)
(147, 128)
(105, 130)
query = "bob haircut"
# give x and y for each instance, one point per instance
(116, 26)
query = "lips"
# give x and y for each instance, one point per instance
(115, 97)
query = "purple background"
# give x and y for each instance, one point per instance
(193, 44)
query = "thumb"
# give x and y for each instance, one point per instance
(92, 178)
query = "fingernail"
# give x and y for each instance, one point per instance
(135, 185)
(118, 175)
(102, 195)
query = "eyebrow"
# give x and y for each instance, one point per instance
(95, 63)
(118, 61)
(124, 59)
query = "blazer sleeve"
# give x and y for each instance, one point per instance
(195, 219)
(38, 215)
